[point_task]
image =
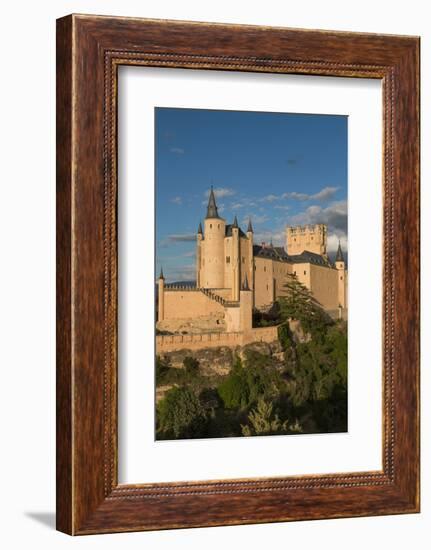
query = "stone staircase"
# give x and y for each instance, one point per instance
(213, 296)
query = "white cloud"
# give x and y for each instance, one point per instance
(323, 195)
(178, 238)
(333, 240)
(334, 216)
(256, 219)
(177, 150)
(270, 198)
(278, 237)
(242, 203)
(177, 200)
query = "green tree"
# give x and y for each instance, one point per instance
(263, 421)
(298, 303)
(246, 384)
(234, 390)
(180, 414)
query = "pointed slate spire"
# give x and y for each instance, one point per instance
(339, 257)
(245, 285)
(212, 211)
(200, 229)
(161, 276)
(235, 223)
(250, 227)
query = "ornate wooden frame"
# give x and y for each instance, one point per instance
(89, 51)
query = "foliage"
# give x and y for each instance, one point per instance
(162, 368)
(246, 384)
(320, 371)
(234, 391)
(191, 365)
(266, 318)
(180, 414)
(298, 303)
(262, 421)
(261, 394)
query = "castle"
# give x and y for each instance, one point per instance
(234, 276)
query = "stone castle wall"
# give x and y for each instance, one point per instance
(324, 286)
(165, 344)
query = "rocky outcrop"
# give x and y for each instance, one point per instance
(218, 361)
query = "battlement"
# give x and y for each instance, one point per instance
(306, 237)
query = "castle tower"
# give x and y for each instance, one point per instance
(236, 261)
(250, 272)
(306, 237)
(199, 238)
(341, 267)
(246, 307)
(212, 247)
(161, 301)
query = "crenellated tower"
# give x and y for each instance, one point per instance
(306, 237)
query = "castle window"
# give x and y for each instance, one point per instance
(341, 278)
(218, 226)
(243, 260)
(305, 273)
(228, 259)
(211, 225)
(264, 267)
(267, 287)
(294, 272)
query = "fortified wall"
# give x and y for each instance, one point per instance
(176, 342)
(201, 310)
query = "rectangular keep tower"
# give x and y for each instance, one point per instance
(306, 237)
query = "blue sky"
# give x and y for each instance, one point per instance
(277, 168)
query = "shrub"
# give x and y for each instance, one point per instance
(234, 391)
(180, 414)
(162, 369)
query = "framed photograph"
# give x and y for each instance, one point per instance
(237, 274)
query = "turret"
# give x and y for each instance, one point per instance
(246, 307)
(161, 297)
(212, 247)
(339, 258)
(250, 254)
(249, 229)
(199, 238)
(236, 261)
(342, 283)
